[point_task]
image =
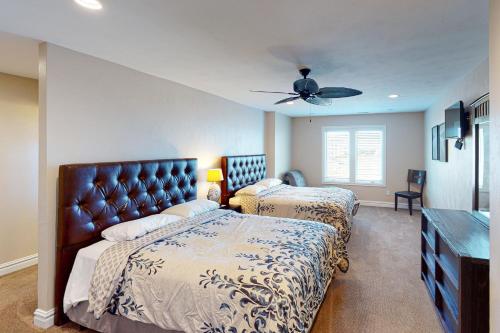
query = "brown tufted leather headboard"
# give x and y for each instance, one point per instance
(241, 171)
(95, 196)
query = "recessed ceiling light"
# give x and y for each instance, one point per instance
(90, 4)
(393, 96)
(289, 103)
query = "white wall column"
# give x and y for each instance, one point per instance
(495, 165)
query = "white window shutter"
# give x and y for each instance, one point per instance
(369, 145)
(337, 156)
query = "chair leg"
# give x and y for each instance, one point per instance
(410, 202)
(422, 201)
(395, 202)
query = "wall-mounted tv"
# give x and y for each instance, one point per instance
(455, 121)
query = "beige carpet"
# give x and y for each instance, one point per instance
(382, 292)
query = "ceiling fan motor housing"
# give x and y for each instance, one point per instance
(305, 87)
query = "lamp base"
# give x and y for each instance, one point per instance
(214, 192)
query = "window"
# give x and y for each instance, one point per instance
(354, 155)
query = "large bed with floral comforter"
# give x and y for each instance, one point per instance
(332, 205)
(220, 272)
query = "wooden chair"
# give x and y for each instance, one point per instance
(414, 177)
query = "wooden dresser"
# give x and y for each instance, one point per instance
(455, 268)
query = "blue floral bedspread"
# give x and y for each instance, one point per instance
(221, 272)
(332, 205)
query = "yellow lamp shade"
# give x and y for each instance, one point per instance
(214, 175)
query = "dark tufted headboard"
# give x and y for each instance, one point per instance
(95, 196)
(241, 171)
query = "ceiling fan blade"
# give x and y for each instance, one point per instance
(337, 92)
(274, 92)
(319, 101)
(289, 99)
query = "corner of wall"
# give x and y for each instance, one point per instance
(278, 142)
(45, 243)
(269, 141)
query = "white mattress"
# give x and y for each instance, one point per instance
(77, 289)
(235, 201)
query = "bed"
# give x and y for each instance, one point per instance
(219, 271)
(331, 205)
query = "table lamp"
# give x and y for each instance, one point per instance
(214, 176)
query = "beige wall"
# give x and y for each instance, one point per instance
(283, 144)
(278, 143)
(269, 142)
(93, 110)
(449, 185)
(18, 170)
(404, 150)
(495, 165)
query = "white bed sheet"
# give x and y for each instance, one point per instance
(77, 289)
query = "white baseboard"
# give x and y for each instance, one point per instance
(387, 204)
(15, 265)
(44, 319)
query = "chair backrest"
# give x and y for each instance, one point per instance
(416, 177)
(294, 178)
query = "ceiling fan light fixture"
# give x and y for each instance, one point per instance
(290, 103)
(393, 96)
(90, 4)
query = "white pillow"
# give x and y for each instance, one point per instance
(137, 228)
(269, 182)
(250, 190)
(192, 208)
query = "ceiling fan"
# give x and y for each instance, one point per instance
(308, 90)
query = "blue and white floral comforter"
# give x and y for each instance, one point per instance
(332, 205)
(221, 272)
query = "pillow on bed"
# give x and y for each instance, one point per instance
(192, 208)
(133, 229)
(250, 190)
(269, 182)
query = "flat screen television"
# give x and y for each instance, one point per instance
(455, 121)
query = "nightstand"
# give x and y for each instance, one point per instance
(228, 207)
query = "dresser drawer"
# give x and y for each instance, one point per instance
(428, 257)
(446, 313)
(429, 232)
(429, 281)
(447, 289)
(448, 260)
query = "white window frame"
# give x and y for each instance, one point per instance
(352, 151)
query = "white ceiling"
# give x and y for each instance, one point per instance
(18, 55)
(415, 48)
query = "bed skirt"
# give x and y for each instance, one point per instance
(109, 323)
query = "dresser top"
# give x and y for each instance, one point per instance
(462, 231)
